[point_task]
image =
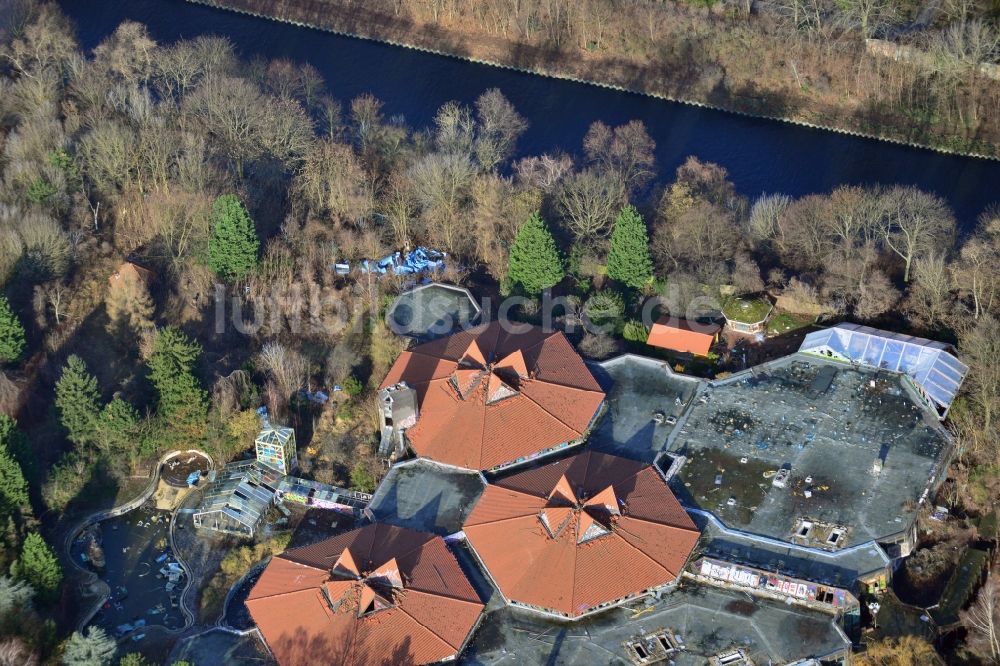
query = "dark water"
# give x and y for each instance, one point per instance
(761, 155)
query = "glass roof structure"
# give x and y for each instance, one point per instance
(239, 496)
(934, 370)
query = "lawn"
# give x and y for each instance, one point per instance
(746, 310)
(784, 322)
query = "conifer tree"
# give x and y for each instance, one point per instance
(118, 427)
(12, 341)
(535, 261)
(628, 258)
(183, 403)
(93, 648)
(13, 487)
(233, 245)
(39, 566)
(78, 401)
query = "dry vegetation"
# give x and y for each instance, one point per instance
(932, 79)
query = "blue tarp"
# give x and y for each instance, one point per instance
(418, 261)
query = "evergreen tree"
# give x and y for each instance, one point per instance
(94, 648)
(15, 596)
(628, 258)
(535, 261)
(78, 401)
(16, 444)
(38, 566)
(118, 427)
(12, 341)
(133, 659)
(182, 401)
(232, 248)
(13, 487)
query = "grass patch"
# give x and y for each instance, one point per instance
(785, 322)
(746, 310)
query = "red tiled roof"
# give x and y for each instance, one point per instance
(580, 532)
(488, 397)
(378, 595)
(681, 335)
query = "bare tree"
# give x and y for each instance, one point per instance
(975, 271)
(499, 126)
(980, 347)
(441, 185)
(588, 202)
(626, 152)
(331, 180)
(982, 619)
(915, 223)
(929, 299)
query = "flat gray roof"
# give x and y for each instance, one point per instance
(638, 387)
(432, 311)
(708, 621)
(425, 495)
(829, 434)
(840, 568)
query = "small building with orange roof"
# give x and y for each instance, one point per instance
(489, 398)
(682, 335)
(579, 535)
(379, 595)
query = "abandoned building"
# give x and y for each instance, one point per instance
(431, 311)
(580, 535)
(821, 456)
(489, 398)
(377, 595)
(681, 335)
(930, 366)
(237, 499)
(275, 447)
(692, 625)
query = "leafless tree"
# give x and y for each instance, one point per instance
(589, 201)
(982, 619)
(626, 152)
(915, 223)
(441, 186)
(499, 126)
(975, 271)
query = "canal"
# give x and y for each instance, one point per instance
(760, 155)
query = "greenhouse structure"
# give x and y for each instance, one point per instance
(933, 370)
(276, 448)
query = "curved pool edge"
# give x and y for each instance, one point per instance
(90, 578)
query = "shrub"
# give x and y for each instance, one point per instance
(635, 331)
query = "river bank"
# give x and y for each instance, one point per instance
(653, 78)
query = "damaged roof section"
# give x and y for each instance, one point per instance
(804, 454)
(690, 626)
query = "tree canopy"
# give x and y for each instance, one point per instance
(93, 648)
(39, 567)
(12, 340)
(78, 401)
(232, 248)
(535, 261)
(628, 258)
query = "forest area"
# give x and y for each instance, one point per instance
(142, 184)
(914, 71)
